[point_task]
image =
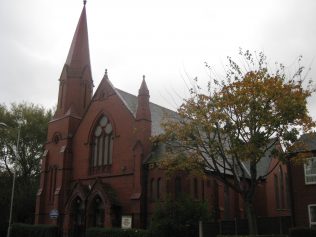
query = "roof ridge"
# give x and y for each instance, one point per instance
(120, 90)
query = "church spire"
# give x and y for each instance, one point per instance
(76, 85)
(79, 55)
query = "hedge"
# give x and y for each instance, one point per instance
(25, 230)
(115, 232)
(253, 236)
(302, 231)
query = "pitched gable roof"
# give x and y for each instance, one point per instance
(158, 113)
(263, 165)
(307, 142)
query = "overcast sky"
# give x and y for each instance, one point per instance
(167, 40)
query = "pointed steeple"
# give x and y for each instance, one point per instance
(143, 118)
(143, 109)
(76, 85)
(143, 90)
(79, 56)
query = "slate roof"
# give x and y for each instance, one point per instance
(158, 113)
(307, 142)
(264, 163)
(262, 166)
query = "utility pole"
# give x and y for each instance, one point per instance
(20, 122)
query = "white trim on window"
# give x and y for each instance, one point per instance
(310, 171)
(312, 215)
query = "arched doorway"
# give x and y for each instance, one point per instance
(96, 212)
(77, 217)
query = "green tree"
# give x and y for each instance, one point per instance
(33, 129)
(178, 218)
(228, 129)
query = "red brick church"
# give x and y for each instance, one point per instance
(98, 165)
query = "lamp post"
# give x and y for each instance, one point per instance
(14, 173)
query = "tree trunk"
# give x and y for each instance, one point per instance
(251, 217)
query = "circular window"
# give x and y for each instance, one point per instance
(103, 121)
(108, 128)
(98, 131)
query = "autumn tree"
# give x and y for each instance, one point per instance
(227, 129)
(33, 121)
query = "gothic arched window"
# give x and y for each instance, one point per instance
(276, 191)
(195, 187)
(102, 143)
(158, 188)
(281, 187)
(151, 189)
(178, 188)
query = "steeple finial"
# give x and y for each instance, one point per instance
(143, 90)
(106, 73)
(84, 2)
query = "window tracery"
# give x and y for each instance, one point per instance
(102, 143)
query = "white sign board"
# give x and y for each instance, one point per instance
(127, 222)
(53, 214)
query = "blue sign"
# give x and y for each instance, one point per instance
(53, 214)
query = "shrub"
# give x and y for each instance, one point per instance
(25, 230)
(252, 236)
(177, 218)
(115, 232)
(302, 231)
